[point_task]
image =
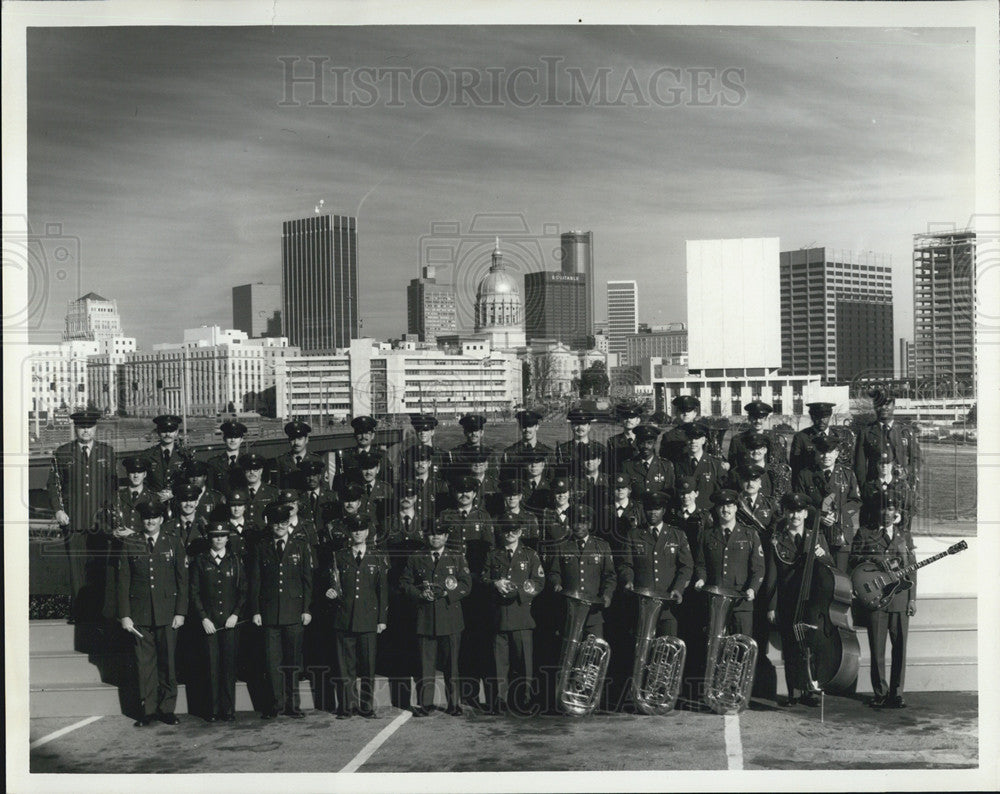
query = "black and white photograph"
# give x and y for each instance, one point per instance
(501, 397)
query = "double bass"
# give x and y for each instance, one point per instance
(828, 647)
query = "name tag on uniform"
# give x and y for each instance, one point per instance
(707, 476)
(640, 548)
(295, 558)
(523, 565)
(451, 570)
(670, 547)
(170, 554)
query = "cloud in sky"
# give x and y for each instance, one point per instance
(168, 153)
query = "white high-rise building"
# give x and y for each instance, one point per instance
(734, 305)
(623, 314)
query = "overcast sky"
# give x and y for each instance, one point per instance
(169, 154)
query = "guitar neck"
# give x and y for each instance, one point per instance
(911, 568)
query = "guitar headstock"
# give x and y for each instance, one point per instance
(960, 546)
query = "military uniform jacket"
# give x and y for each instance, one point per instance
(513, 612)
(222, 476)
(593, 493)
(307, 530)
(555, 529)
(153, 587)
(281, 587)
(431, 494)
(165, 475)
(363, 600)
(284, 469)
(126, 507)
(591, 571)
(901, 444)
(872, 545)
(471, 536)
(803, 454)
(242, 540)
(737, 455)
(191, 533)
(617, 528)
(846, 500)
(536, 497)
(763, 509)
(264, 495)
(620, 449)
(787, 556)
(661, 563)
(708, 473)
(692, 524)
(513, 457)
(653, 475)
(317, 507)
(673, 445)
(442, 616)
(86, 491)
(209, 502)
(895, 490)
(218, 590)
(737, 563)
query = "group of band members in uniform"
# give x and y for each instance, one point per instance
(342, 566)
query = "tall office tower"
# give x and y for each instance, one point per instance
(836, 315)
(944, 306)
(319, 281)
(623, 315)
(430, 307)
(92, 318)
(577, 256)
(555, 308)
(257, 309)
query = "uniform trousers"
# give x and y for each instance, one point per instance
(441, 650)
(355, 653)
(283, 663)
(86, 555)
(220, 650)
(154, 659)
(513, 665)
(895, 625)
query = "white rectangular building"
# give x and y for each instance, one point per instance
(733, 303)
(623, 314)
(371, 377)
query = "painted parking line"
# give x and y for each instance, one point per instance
(734, 744)
(62, 732)
(369, 749)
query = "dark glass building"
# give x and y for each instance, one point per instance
(556, 308)
(319, 281)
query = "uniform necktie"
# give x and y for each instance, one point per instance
(232, 461)
(510, 555)
(694, 463)
(86, 454)
(281, 547)
(298, 459)
(185, 527)
(218, 558)
(312, 502)
(134, 495)
(581, 544)
(464, 513)
(826, 476)
(369, 487)
(621, 510)
(166, 456)
(437, 556)
(406, 525)
(149, 542)
(357, 559)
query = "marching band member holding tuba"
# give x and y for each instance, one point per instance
(656, 565)
(436, 580)
(515, 576)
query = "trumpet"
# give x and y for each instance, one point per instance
(731, 660)
(582, 665)
(659, 663)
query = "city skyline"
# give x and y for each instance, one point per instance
(191, 163)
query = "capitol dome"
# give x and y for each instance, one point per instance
(498, 300)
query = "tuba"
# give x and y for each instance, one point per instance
(731, 659)
(582, 665)
(659, 663)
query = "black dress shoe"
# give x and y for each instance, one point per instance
(228, 717)
(268, 715)
(454, 711)
(168, 719)
(896, 702)
(877, 702)
(809, 699)
(420, 711)
(142, 722)
(345, 715)
(211, 718)
(294, 713)
(369, 715)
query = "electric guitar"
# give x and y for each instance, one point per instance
(875, 583)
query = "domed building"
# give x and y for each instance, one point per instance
(499, 312)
